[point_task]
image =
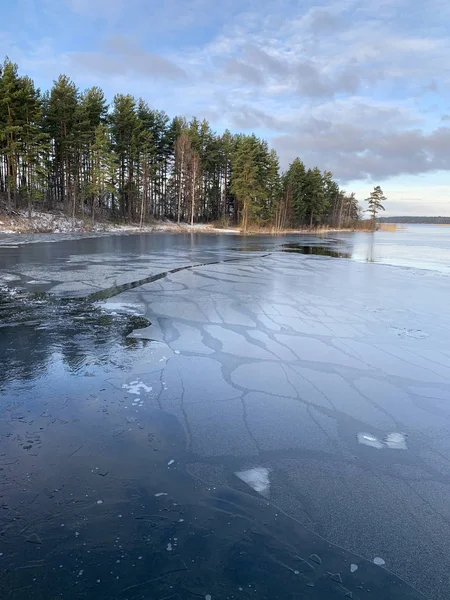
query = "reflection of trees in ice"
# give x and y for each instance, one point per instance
(35, 328)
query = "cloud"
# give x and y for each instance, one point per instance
(126, 57)
(354, 152)
(88, 7)
(243, 71)
(324, 21)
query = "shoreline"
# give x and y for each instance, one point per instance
(49, 223)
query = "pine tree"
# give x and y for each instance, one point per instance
(124, 130)
(244, 183)
(103, 169)
(10, 102)
(183, 149)
(294, 190)
(225, 150)
(375, 202)
(315, 199)
(34, 145)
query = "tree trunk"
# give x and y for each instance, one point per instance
(194, 177)
(179, 186)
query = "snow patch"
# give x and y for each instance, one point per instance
(367, 439)
(394, 441)
(257, 479)
(134, 387)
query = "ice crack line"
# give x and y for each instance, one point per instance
(118, 289)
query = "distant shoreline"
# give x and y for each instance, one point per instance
(415, 220)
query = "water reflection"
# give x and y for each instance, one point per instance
(35, 328)
(413, 246)
(314, 250)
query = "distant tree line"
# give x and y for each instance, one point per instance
(417, 220)
(68, 150)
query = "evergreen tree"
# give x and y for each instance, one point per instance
(375, 202)
(244, 183)
(124, 130)
(315, 200)
(34, 146)
(10, 104)
(61, 121)
(294, 184)
(103, 169)
(68, 150)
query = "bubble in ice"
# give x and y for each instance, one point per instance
(379, 561)
(99, 501)
(353, 568)
(396, 441)
(257, 479)
(208, 597)
(169, 547)
(170, 462)
(367, 439)
(160, 494)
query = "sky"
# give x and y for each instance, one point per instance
(357, 87)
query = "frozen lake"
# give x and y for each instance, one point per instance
(185, 416)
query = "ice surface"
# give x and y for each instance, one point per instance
(257, 479)
(8, 277)
(285, 363)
